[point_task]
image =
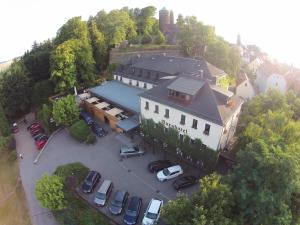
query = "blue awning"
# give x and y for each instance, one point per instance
(128, 124)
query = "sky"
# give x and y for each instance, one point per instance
(273, 25)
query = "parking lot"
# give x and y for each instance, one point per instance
(129, 174)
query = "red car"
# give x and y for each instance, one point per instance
(36, 131)
(40, 143)
(34, 125)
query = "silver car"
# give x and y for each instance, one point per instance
(127, 151)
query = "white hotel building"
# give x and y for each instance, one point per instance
(182, 93)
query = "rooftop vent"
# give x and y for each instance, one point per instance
(138, 55)
(164, 54)
(171, 60)
(153, 58)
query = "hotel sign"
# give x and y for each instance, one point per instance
(174, 126)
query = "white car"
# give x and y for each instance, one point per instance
(152, 212)
(169, 173)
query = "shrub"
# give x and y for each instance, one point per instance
(49, 192)
(44, 115)
(4, 125)
(146, 39)
(6, 143)
(82, 133)
(73, 169)
(159, 38)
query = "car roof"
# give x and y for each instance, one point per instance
(174, 168)
(91, 174)
(120, 194)
(133, 202)
(154, 205)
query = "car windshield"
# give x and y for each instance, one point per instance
(166, 172)
(116, 203)
(131, 212)
(100, 195)
(88, 183)
(152, 216)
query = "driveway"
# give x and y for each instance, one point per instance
(129, 174)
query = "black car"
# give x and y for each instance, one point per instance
(133, 210)
(40, 136)
(159, 165)
(99, 131)
(184, 182)
(118, 202)
(90, 181)
(86, 117)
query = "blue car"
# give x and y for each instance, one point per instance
(86, 117)
(133, 210)
(99, 131)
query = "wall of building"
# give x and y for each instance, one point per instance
(212, 140)
(277, 81)
(133, 82)
(245, 90)
(261, 81)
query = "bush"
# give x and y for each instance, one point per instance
(6, 143)
(49, 192)
(4, 125)
(82, 133)
(146, 39)
(73, 169)
(160, 38)
(44, 115)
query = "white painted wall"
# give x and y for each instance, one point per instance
(126, 80)
(212, 140)
(245, 90)
(278, 82)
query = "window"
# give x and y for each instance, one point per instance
(148, 74)
(121, 78)
(207, 129)
(137, 83)
(181, 137)
(147, 106)
(195, 123)
(156, 109)
(182, 120)
(167, 113)
(130, 82)
(145, 85)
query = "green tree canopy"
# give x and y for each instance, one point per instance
(65, 111)
(49, 192)
(4, 125)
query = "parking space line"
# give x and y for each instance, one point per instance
(144, 182)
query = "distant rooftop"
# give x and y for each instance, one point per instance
(120, 94)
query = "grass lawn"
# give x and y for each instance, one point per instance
(13, 208)
(77, 211)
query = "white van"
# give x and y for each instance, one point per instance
(103, 193)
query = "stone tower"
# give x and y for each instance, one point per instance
(164, 18)
(171, 17)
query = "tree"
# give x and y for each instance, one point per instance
(49, 192)
(37, 61)
(63, 67)
(41, 91)
(74, 28)
(65, 111)
(15, 90)
(100, 50)
(146, 39)
(234, 62)
(117, 26)
(160, 38)
(4, 125)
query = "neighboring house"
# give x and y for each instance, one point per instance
(244, 88)
(255, 64)
(269, 76)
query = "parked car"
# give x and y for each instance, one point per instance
(90, 181)
(183, 182)
(33, 125)
(133, 210)
(15, 129)
(40, 136)
(103, 193)
(86, 117)
(169, 173)
(127, 151)
(40, 143)
(36, 131)
(152, 212)
(118, 202)
(159, 165)
(99, 131)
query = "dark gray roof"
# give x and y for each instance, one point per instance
(159, 66)
(186, 85)
(208, 104)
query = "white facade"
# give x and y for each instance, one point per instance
(216, 139)
(245, 90)
(132, 82)
(276, 81)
